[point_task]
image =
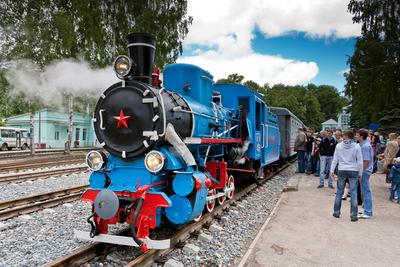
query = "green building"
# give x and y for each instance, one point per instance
(51, 128)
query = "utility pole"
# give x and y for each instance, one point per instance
(70, 114)
(32, 133)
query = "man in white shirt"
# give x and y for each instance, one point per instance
(349, 157)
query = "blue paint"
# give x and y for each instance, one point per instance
(180, 210)
(201, 195)
(262, 124)
(190, 81)
(173, 160)
(183, 184)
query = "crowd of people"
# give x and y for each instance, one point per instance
(350, 157)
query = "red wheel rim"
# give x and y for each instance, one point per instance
(221, 199)
(231, 184)
(210, 205)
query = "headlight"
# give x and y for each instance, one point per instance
(122, 66)
(95, 160)
(154, 161)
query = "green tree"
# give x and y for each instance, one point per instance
(373, 81)
(329, 98)
(4, 90)
(300, 101)
(232, 78)
(44, 30)
(390, 118)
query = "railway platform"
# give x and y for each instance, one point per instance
(303, 232)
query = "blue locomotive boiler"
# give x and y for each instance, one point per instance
(174, 151)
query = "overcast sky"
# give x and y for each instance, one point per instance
(270, 41)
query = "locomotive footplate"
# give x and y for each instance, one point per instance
(123, 240)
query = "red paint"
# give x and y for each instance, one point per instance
(208, 183)
(221, 140)
(147, 216)
(186, 86)
(155, 80)
(122, 119)
(143, 248)
(212, 167)
(241, 170)
(198, 185)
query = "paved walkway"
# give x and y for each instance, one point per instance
(304, 232)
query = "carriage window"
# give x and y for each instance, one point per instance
(57, 135)
(258, 116)
(12, 134)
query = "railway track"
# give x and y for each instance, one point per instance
(17, 207)
(40, 163)
(34, 175)
(86, 253)
(40, 152)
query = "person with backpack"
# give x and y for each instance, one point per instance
(300, 146)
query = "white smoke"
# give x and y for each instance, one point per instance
(68, 76)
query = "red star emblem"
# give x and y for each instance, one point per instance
(122, 119)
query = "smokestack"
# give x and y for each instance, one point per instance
(141, 50)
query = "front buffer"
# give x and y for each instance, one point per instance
(141, 215)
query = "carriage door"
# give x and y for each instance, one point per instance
(260, 131)
(18, 139)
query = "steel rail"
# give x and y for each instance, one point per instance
(19, 177)
(88, 252)
(29, 204)
(41, 152)
(40, 164)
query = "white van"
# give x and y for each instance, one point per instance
(13, 138)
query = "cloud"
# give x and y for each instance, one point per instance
(226, 28)
(257, 67)
(317, 18)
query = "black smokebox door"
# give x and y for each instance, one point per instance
(123, 133)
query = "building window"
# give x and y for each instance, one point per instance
(77, 133)
(56, 135)
(84, 134)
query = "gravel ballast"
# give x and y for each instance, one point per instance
(47, 235)
(37, 238)
(239, 226)
(11, 191)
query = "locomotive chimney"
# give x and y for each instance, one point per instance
(141, 51)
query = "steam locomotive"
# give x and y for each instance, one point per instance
(174, 151)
